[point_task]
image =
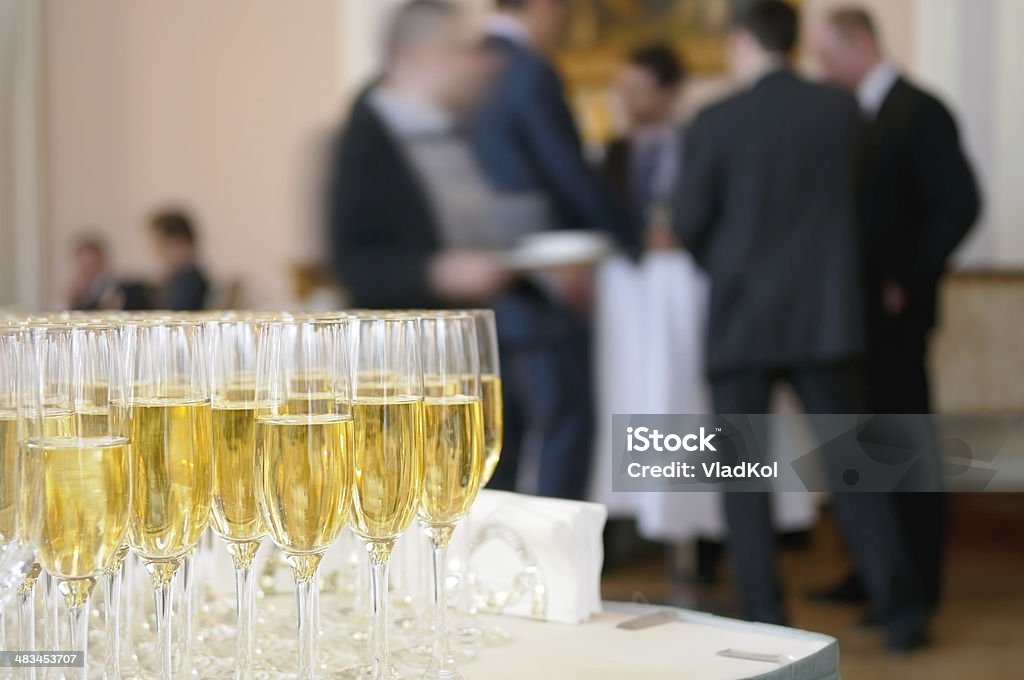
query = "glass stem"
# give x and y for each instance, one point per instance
(51, 622)
(127, 577)
(442, 665)
(380, 556)
(27, 616)
(243, 554)
(112, 622)
(76, 596)
(188, 612)
(304, 570)
(162, 574)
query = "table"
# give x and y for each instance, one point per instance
(682, 649)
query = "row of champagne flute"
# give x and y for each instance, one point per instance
(139, 430)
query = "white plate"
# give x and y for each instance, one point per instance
(554, 249)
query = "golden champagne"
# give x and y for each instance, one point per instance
(8, 474)
(312, 382)
(79, 489)
(304, 478)
(453, 456)
(92, 421)
(494, 423)
(311, 404)
(438, 387)
(235, 516)
(172, 477)
(389, 465)
(55, 423)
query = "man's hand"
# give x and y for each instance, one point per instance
(467, 275)
(894, 298)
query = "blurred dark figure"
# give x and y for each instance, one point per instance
(530, 149)
(92, 286)
(643, 165)
(184, 287)
(526, 135)
(409, 212)
(768, 177)
(917, 199)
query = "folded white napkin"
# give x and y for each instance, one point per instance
(527, 556)
(535, 557)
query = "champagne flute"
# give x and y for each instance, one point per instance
(53, 420)
(490, 388)
(236, 518)
(16, 555)
(169, 425)
(387, 408)
(304, 465)
(77, 481)
(454, 454)
(469, 631)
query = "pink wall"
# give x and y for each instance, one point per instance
(222, 106)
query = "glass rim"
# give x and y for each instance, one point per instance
(266, 323)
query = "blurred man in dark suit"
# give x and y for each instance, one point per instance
(917, 199)
(642, 165)
(530, 149)
(184, 286)
(525, 134)
(766, 204)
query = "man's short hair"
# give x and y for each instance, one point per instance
(662, 62)
(513, 5)
(416, 23)
(90, 241)
(174, 225)
(773, 23)
(848, 21)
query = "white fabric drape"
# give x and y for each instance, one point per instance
(649, 339)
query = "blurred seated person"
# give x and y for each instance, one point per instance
(92, 286)
(183, 285)
(409, 212)
(643, 164)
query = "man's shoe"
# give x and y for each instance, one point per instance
(868, 621)
(915, 641)
(848, 591)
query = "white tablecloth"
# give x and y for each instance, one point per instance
(686, 648)
(649, 336)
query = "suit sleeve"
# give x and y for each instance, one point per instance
(695, 206)
(948, 187)
(365, 235)
(547, 128)
(186, 292)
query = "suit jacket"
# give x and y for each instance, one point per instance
(383, 233)
(766, 204)
(917, 198)
(381, 225)
(185, 290)
(527, 141)
(618, 166)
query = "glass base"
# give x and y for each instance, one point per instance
(366, 672)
